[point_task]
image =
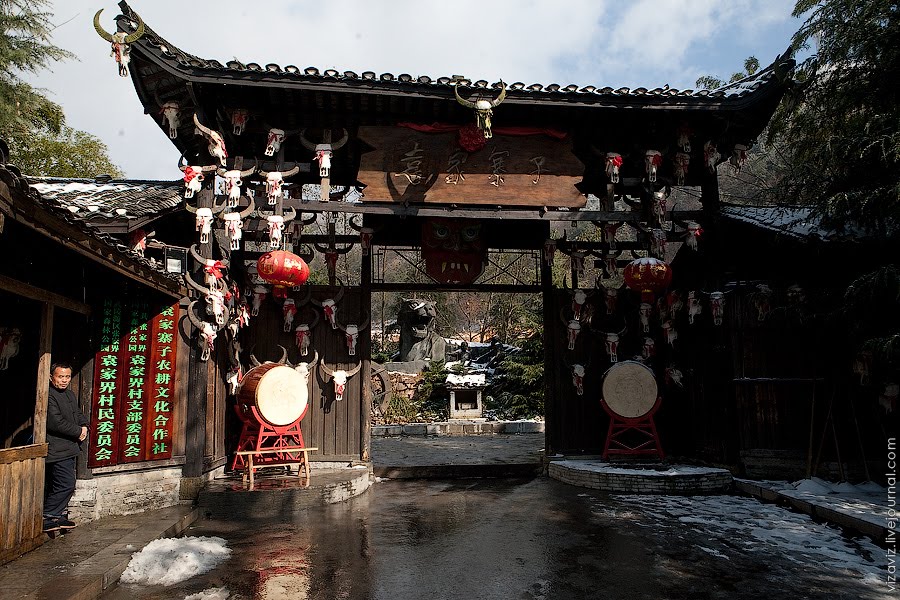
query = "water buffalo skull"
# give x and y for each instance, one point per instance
(659, 206)
(351, 333)
(215, 141)
(738, 157)
(645, 310)
(611, 342)
(323, 152)
(483, 109)
(274, 139)
(613, 163)
(234, 225)
(193, 177)
(239, 118)
(289, 311)
(169, 112)
(692, 234)
(710, 156)
(670, 333)
(9, 345)
(549, 251)
(275, 181)
(694, 306)
(717, 306)
(233, 378)
(340, 377)
(573, 328)
(120, 42)
(653, 160)
(259, 294)
(578, 372)
(682, 161)
(233, 182)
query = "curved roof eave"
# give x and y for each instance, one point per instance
(733, 97)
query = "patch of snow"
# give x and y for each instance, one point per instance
(468, 379)
(815, 486)
(741, 524)
(169, 561)
(603, 467)
(713, 552)
(210, 594)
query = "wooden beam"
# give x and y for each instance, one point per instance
(20, 453)
(505, 213)
(446, 287)
(19, 288)
(45, 347)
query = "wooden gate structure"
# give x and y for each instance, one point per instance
(413, 161)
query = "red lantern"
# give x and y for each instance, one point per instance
(648, 276)
(282, 269)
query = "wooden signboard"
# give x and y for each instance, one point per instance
(510, 170)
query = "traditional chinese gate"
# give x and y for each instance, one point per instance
(415, 157)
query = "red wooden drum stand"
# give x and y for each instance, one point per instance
(630, 399)
(271, 403)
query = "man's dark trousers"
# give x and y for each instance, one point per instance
(60, 483)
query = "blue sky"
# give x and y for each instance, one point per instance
(586, 42)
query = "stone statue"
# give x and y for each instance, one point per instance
(418, 339)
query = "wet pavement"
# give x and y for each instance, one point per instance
(533, 539)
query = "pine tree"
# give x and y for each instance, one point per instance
(842, 120)
(25, 47)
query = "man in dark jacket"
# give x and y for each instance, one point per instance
(66, 429)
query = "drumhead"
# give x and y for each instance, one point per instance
(629, 389)
(281, 396)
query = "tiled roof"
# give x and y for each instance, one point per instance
(405, 82)
(17, 183)
(795, 221)
(98, 199)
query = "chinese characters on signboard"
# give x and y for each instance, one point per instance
(134, 383)
(413, 166)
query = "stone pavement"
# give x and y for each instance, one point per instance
(420, 457)
(81, 564)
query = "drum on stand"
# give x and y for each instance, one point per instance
(629, 389)
(278, 393)
(630, 398)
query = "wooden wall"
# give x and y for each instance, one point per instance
(335, 428)
(22, 500)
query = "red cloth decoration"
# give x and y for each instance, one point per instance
(517, 131)
(471, 139)
(616, 160)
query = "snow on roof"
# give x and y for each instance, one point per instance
(99, 198)
(467, 380)
(795, 221)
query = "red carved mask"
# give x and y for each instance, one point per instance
(453, 250)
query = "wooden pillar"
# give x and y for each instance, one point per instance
(365, 341)
(196, 399)
(549, 351)
(45, 347)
